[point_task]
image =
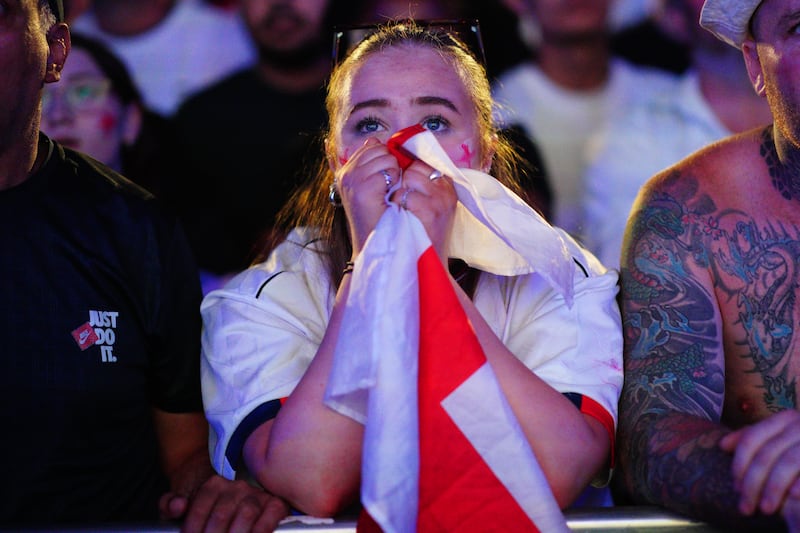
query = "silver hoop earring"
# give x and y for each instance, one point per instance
(333, 196)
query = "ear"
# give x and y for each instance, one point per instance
(753, 64)
(132, 124)
(59, 43)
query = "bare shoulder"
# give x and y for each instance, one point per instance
(716, 238)
(719, 169)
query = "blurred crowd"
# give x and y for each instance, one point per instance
(219, 110)
(218, 103)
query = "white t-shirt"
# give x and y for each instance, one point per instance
(194, 46)
(652, 136)
(561, 122)
(263, 329)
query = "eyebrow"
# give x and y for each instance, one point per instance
(787, 19)
(420, 100)
(436, 100)
(376, 102)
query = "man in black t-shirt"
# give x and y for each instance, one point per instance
(99, 315)
(243, 144)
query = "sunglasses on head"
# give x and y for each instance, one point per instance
(465, 33)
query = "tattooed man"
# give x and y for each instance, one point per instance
(709, 421)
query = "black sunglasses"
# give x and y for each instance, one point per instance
(464, 33)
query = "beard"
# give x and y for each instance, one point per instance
(296, 58)
(275, 30)
(785, 112)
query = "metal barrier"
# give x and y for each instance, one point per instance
(622, 519)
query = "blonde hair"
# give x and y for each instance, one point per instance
(310, 205)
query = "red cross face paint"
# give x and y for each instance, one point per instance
(467, 155)
(83, 113)
(109, 122)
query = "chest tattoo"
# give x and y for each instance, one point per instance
(755, 268)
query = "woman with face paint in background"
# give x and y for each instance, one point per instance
(98, 110)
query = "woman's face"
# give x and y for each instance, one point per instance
(403, 86)
(83, 113)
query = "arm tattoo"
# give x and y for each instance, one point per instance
(672, 400)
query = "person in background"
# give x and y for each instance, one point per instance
(223, 4)
(74, 8)
(241, 143)
(270, 334)
(709, 422)
(172, 48)
(652, 40)
(101, 328)
(570, 87)
(97, 109)
(711, 100)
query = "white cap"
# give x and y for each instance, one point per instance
(729, 20)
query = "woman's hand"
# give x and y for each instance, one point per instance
(362, 182)
(432, 198)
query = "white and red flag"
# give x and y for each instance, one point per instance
(442, 449)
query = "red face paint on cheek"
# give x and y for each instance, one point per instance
(466, 156)
(108, 122)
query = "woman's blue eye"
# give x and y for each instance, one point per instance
(434, 124)
(368, 125)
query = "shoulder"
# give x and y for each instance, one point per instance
(524, 71)
(723, 168)
(224, 92)
(682, 213)
(518, 79)
(651, 77)
(299, 257)
(90, 172)
(519, 92)
(104, 194)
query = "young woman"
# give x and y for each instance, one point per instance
(270, 334)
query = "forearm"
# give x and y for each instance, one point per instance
(310, 454)
(183, 443)
(569, 448)
(675, 461)
(187, 478)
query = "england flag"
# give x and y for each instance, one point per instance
(442, 449)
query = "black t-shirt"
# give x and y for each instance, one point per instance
(100, 322)
(241, 147)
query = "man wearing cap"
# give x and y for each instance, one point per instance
(99, 319)
(709, 421)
